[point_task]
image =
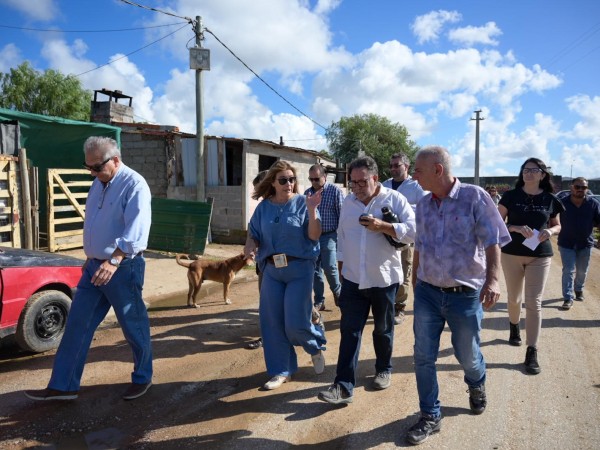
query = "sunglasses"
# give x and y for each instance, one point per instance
(580, 187)
(283, 181)
(314, 180)
(97, 167)
(532, 170)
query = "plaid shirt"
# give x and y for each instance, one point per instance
(330, 207)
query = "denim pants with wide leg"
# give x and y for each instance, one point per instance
(327, 263)
(285, 315)
(89, 308)
(463, 313)
(575, 264)
(355, 305)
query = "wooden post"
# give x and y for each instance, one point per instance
(26, 195)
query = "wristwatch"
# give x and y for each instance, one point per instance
(114, 262)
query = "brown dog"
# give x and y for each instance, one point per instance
(221, 271)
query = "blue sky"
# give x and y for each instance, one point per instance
(531, 66)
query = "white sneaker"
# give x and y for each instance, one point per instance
(275, 382)
(318, 361)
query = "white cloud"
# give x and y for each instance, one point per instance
(326, 6)
(10, 57)
(42, 10)
(429, 26)
(589, 111)
(470, 35)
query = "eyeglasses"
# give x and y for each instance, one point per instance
(580, 187)
(395, 166)
(532, 170)
(97, 167)
(283, 181)
(314, 180)
(359, 183)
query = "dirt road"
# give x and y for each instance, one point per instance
(206, 391)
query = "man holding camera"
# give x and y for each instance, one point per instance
(371, 270)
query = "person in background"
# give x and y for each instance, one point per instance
(329, 209)
(456, 264)
(371, 271)
(402, 182)
(285, 230)
(493, 191)
(115, 234)
(575, 240)
(532, 212)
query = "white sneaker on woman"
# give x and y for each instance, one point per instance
(275, 382)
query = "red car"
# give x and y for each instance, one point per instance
(36, 289)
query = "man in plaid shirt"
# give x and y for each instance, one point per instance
(331, 204)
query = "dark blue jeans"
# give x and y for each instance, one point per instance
(355, 305)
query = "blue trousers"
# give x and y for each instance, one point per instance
(89, 308)
(463, 313)
(285, 316)
(575, 264)
(355, 305)
(327, 263)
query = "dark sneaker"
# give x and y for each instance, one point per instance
(382, 380)
(567, 305)
(320, 306)
(477, 399)
(336, 395)
(51, 394)
(579, 296)
(136, 390)
(515, 335)
(531, 362)
(398, 319)
(336, 299)
(425, 427)
(255, 344)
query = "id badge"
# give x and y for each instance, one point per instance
(280, 260)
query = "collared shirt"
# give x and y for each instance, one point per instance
(410, 188)
(369, 259)
(117, 214)
(282, 229)
(330, 207)
(452, 237)
(577, 223)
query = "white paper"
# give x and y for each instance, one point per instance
(533, 241)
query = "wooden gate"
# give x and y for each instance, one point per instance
(67, 192)
(10, 227)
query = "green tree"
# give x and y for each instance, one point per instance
(50, 93)
(372, 134)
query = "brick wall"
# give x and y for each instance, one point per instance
(146, 154)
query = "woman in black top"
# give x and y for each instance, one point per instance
(533, 212)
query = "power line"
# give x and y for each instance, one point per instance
(135, 51)
(89, 31)
(575, 43)
(261, 79)
(157, 10)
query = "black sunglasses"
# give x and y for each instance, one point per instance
(97, 167)
(283, 180)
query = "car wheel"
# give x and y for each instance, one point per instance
(42, 321)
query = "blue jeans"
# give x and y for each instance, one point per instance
(575, 264)
(327, 262)
(89, 308)
(355, 304)
(463, 312)
(285, 315)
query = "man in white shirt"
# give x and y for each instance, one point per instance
(371, 271)
(402, 182)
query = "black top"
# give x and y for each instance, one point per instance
(534, 211)
(578, 222)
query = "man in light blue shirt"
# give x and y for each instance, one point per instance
(115, 233)
(402, 182)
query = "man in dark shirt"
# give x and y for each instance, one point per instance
(575, 241)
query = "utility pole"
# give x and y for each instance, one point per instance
(477, 119)
(199, 61)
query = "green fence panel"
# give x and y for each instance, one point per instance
(179, 226)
